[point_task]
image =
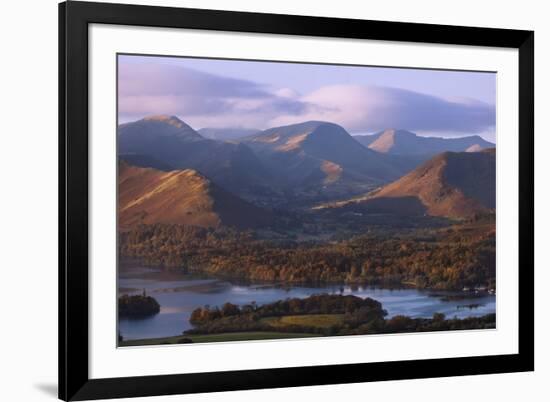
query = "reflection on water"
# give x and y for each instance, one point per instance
(179, 294)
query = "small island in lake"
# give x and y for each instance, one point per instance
(137, 306)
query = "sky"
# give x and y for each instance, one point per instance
(252, 94)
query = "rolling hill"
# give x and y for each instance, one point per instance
(149, 196)
(402, 142)
(453, 185)
(169, 140)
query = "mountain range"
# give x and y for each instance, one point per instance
(168, 139)
(313, 162)
(319, 150)
(451, 184)
(316, 157)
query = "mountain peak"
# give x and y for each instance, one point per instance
(290, 137)
(172, 120)
(153, 127)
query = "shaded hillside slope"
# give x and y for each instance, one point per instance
(149, 196)
(454, 185)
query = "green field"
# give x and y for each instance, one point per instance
(310, 320)
(225, 337)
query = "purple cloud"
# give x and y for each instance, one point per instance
(209, 100)
(371, 108)
(202, 99)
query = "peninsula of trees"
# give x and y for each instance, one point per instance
(326, 315)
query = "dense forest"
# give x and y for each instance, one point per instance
(324, 315)
(451, 257)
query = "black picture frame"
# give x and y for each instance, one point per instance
(74, 19)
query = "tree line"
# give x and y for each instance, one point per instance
(439, 258)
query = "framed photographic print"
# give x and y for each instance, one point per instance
(257, 201)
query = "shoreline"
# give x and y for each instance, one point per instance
(266, 335)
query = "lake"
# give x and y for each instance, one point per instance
(179, 294)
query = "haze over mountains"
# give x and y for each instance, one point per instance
(309, 163)
(402, 142)
(452, 184)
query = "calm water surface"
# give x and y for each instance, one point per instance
(179, 294)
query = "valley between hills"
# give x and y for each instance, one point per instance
(308, 204)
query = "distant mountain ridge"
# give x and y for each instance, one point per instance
(299, 163)
(452, 184)
(148, 196)
(402, 142)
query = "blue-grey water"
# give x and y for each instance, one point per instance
(179, 294)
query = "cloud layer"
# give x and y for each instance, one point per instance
(206, 100)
